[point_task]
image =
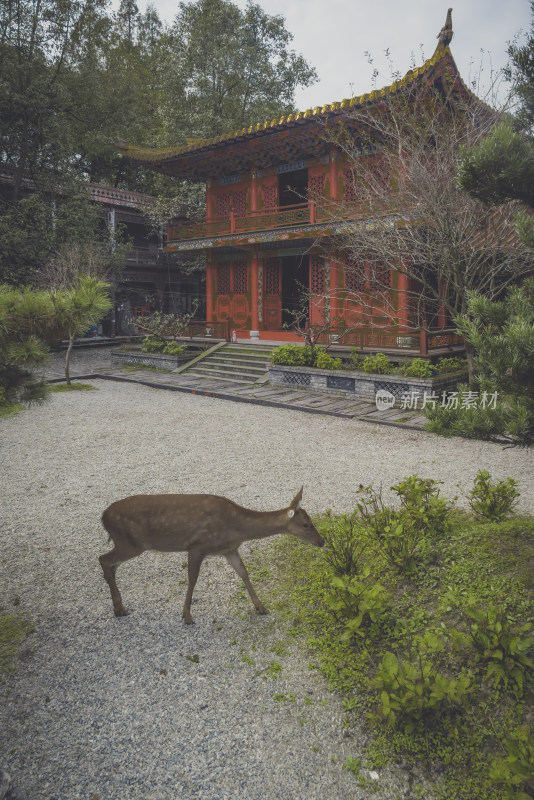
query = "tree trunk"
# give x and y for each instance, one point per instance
(67, 359)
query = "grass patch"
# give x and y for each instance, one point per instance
(73, 387)
(13, 631)
(443, 671)
(10, 409)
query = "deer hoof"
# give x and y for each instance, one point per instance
(121, 612)
(263, 611)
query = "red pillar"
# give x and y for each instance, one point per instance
(254, 291)
(210, 282)
(209, 200)
(402, 309)
(333, 176)
(442, 310)
(254, 191)
(333, 267)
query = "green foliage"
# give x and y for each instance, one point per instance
(295, 355)
(174, 349)
(493, 501)
(417, 368)
(378, 364)
(326, 361)
(358, 601)
(71, 387)
(402, 535)
(412, 694)
(502, 335)
(151, 344)
(345, 542)
(448, 364)
(515, 773)
(502, 647)
(472, 421)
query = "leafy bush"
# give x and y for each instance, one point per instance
(151, 344)
(345, 544)
(448, 364)
(326, 361)
(358, 601)
(515, 773)
(379, 364)
(402, 535)
(411, 693)
(465, 419)
(417, 368)
(292, 355)
(502, 647)
(493, 501)
(173, 349)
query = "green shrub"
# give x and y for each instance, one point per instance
(326, 361)
(493, 501)
(448, 364)
(403, 535)
(469, 421)
(357, 601)
(417, 368)
(379, 364)
(515, 773)
(345, 544)
(412, 693)
(502, 647)
(173, 349)
(151, 344)
(292, 355)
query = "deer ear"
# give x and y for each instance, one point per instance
(290, 513)
(296, 500)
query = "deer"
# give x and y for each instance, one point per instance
(201, 524)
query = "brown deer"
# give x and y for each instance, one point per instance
(202, 524)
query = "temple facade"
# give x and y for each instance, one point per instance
(279, 196)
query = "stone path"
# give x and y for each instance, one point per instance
(305, 400)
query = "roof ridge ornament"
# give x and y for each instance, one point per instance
(446, 33)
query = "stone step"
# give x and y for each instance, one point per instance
(236, 366)
(210, 372)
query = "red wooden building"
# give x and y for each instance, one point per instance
(270, 189)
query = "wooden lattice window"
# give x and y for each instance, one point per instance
(317, 275)
(272, 276)
(350, 193)
(379, 276)
(270, 196)
(240, 277)
(378, 173)
(223, 278)
(316, 187)
(354, 276)
(222, 205)
(239, 202)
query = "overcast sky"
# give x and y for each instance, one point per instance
(334, 35)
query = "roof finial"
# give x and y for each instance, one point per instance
(445, 35)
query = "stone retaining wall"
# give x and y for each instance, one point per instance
(360, 384)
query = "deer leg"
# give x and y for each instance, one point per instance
(234, 559)
(109, 563)
(194, 560)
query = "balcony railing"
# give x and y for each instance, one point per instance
(266, 219)
(421, 341)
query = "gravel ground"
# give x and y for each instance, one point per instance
(143, 706)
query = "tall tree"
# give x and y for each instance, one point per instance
(229, 68)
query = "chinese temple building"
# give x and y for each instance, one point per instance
(269, 230)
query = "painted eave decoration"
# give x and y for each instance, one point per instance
(271, 142)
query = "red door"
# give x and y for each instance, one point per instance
(272, 303)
